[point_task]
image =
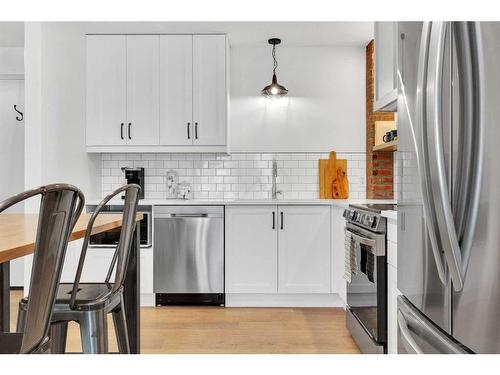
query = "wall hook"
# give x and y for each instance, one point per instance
(18, 111)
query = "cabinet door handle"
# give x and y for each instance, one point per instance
(129, 132)
(195, 130)
(281, 219)
(188, 129)
(274, 220)
(121, 130)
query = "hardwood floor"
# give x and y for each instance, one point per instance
(231, 330)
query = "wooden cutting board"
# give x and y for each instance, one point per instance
(340, 184)
(333, 182)
(323, 179)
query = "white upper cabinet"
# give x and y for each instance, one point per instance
(386, 49)
(176, 90)
(156, 93)
(304, 249)
(142, 90)
(209, 89)
(251, 242)
(106, 90)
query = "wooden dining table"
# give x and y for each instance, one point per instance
(17, 239)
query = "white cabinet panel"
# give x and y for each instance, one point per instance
(392, 310)
(96, 266)
(392, 230)
(176, 90)
(385, 66)
(106, 90)
(251, 249)
(143, 89)
(146, 269)
(304, 249)
(338, 253)
(209, 89)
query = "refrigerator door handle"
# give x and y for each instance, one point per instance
(409, 342)
(421, 147)
(456, 256)
(446, 222)
(470, 54)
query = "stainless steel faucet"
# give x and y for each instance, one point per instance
(274, 190)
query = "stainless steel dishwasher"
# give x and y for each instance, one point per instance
(189, 255)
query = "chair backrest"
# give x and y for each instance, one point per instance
(122, 252)
(60, 208)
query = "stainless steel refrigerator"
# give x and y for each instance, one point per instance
(449, 203)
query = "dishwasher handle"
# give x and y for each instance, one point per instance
(189, 215)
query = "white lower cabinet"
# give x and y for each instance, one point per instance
(338, 253)
(278, 249)
(304, 249)
(392, 288)
(251, 258)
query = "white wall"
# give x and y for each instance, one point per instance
(324, 109)
(12, 137)
(11, 60)
(55, 104)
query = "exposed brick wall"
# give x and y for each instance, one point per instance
(379, 165)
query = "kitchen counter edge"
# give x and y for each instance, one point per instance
(208, 202)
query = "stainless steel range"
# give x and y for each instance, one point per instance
(366, 274)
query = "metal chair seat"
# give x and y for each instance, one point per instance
(89, 297)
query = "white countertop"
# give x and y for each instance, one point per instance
(235, 202)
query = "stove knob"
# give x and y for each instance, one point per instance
(374, 222)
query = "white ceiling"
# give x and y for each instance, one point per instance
(239, 33)
(291, 33)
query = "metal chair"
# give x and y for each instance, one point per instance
(89, 303)
(60, 208)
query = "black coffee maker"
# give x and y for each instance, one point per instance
(135, 176)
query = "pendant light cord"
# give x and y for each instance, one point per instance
(275, 62)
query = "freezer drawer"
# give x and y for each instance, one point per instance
(417, 335)
(189, 250)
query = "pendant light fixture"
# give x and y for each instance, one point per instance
(274, 90)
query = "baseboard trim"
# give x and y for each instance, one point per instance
(283, 300)
(147, 299)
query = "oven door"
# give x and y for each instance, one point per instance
(110, 238)
(367, 291)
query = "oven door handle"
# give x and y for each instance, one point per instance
(361, 239)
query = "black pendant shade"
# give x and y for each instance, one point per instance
(274, 90)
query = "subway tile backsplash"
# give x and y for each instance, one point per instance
(235, 176)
